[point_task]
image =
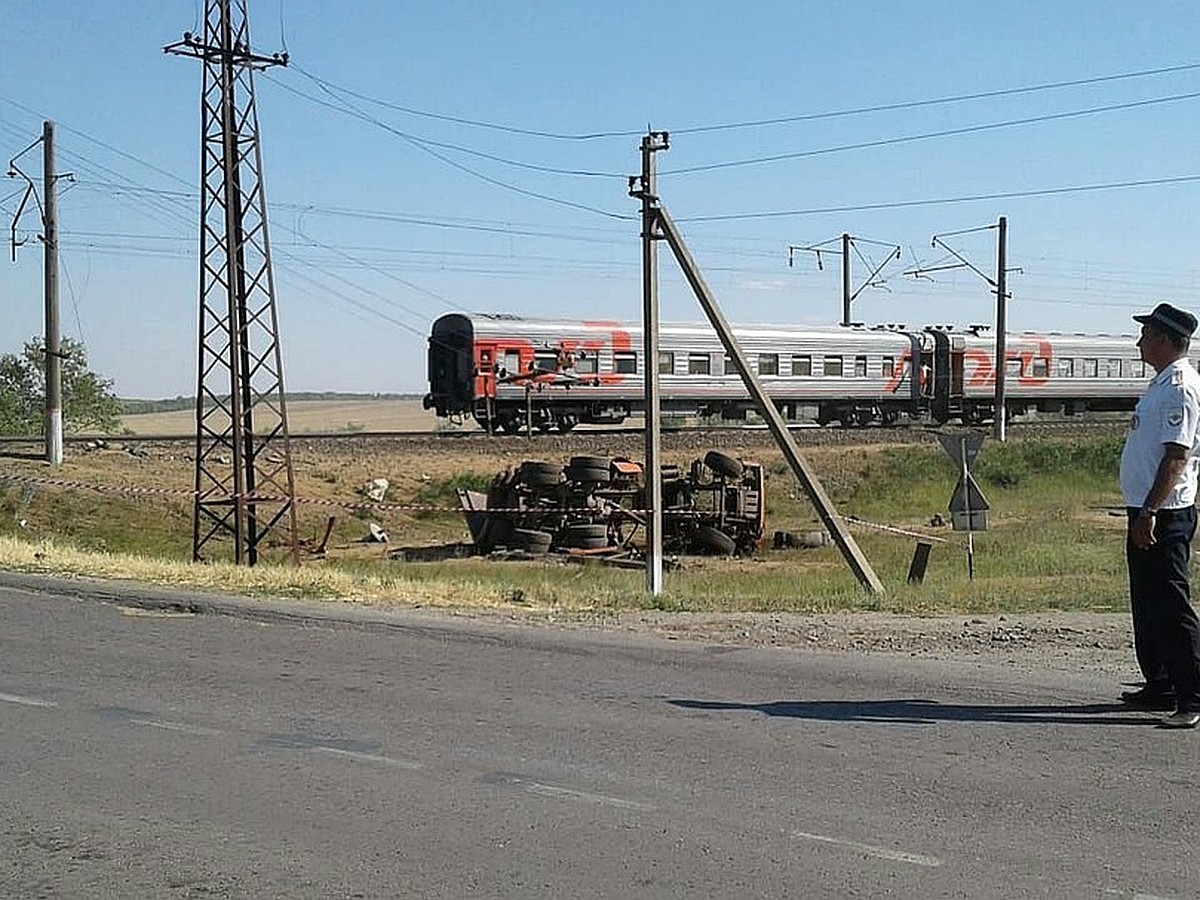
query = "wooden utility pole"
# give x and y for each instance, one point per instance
(54, 422)
(1001, 325)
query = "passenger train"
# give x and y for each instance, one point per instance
(510, 373)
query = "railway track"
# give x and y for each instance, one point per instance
(583, 439)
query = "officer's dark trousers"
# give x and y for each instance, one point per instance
(1166, 632)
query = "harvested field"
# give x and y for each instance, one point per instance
(308, 416)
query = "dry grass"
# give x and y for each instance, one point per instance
(1047, 548)
(308, 417)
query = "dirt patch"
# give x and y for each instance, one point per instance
(1057, 641)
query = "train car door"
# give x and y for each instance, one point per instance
(947, 391)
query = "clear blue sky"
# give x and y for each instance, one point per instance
(374, 236)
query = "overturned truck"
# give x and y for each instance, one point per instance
(596, 505)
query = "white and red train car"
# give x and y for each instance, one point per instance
(506, 371)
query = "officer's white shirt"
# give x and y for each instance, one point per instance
(1168, 413)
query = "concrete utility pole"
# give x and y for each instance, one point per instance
(846, 297)
(658, 225)
(1001, 324)
(766, 408)
(54, 422)
(647, 190)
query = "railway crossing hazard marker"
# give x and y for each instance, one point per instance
(968, 507)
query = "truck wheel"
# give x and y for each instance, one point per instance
(723, 464)
(590, 536)
(716, 542)
(530, 540)
(539, 474)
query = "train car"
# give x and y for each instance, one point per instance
(509, 372)
(1055, 373)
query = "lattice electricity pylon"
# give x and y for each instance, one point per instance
(245, 485)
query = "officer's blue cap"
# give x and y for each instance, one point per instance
(1170, 318)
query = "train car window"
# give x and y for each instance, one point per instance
(802, 365)
(586, 363)
(545, 361)
(860, 367)
(887, 367)
(1041, 367)
(833, 365)
(1089, 368)
(666, 362)
(512, 361)
(727, 366)
(699, 364)
(1066, 367)
(625, 363)
(1112, 368)
(1138, 368)
(768, 364)
(1014, 367)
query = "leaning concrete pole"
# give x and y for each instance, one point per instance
(766, 408)
(54, 421)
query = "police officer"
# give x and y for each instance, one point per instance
(1158, 482)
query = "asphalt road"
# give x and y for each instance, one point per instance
(153, 753)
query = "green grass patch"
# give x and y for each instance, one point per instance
(1051, 545)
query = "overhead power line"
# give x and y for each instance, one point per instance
(445, 145)
(428, 147)
(930, 135)
(970, 198)
(752, 123)
(938, 101)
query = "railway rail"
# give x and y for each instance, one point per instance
(585, 437)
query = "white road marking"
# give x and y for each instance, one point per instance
(133, 611)
(27, 701)
(370, 757)
(913, 859)
(562, 793)
(176, 726)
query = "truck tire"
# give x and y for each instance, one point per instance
(589, 536)
(530, 540)
(539, 474)
(723, 464)
(715, 541)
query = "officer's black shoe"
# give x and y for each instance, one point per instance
(1181, 718)
(1151, 698)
